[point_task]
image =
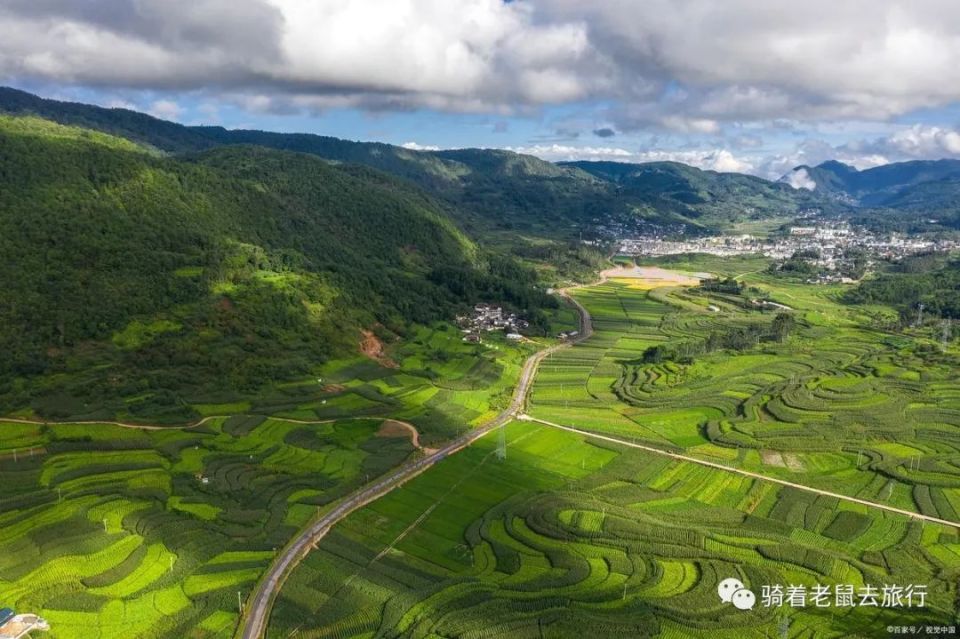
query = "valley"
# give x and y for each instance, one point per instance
(600, 534)
(279, 385)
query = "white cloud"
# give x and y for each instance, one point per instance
(800, 179)
(568, 153)
(922, 141)
(165, 110)
(659, 62)
(710, 159)
(413, 146)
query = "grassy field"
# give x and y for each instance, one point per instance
(565, 538)
(125, 533)
(112, 532)
(571, 538)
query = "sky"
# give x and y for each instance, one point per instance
(754, 86)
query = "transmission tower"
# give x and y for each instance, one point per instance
(502, 443)
(919, 315)
(946, 334)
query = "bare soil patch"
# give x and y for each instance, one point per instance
(793, 462)
(372, 347)
(654, 276)
(772, 458)
(395, 428)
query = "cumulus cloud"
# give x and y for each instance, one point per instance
(165, 110)
(413, 146)
(473, 55)
(800, 179)
(720, 160)
(917, 141)
(711, 159)
(661, 61)
(565, 152)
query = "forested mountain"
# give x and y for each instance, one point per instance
(909, 196)
(931, 280)
(489, 192)
(126, 271)
(485, 191)
(706, 198)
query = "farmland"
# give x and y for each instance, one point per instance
(569, 536)
(120, 532)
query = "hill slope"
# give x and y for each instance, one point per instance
(493, 194)
(704, 198)
(131, 274)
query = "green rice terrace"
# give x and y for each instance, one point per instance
(569, 535)
(116, 532)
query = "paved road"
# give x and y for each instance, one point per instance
(253, 623)
(740, 471)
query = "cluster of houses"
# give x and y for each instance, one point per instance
(488, 318)
(14, 626)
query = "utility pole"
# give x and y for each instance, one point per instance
(104, 524)
(502, 444)
(945, 335)
(919, 315)
(859, 453)
(239, 602)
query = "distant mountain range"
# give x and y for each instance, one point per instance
(145, 259)
(927, 187)
(487, 191)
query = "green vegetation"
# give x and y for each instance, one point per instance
(568, 535)
(505, 198)
(916, 280)
(675, 192)
(568, 538)
(118, 532)
(113, 532)
(138, 285)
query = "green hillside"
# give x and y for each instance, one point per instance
(501, 196)
(130, 277)
(710, 199)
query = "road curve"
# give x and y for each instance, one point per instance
(253, 623)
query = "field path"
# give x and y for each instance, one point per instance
(253, 621)
(746, 473)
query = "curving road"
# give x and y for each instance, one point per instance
(253, 623)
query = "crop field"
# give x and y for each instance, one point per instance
(112, 532)
(568, 538)
(839, 406)
(440, 384)
(116, 532)
(574, 537)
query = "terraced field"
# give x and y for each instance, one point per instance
(120, 533)
(111, 532)
(567, 537)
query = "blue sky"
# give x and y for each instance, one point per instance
(741, 85)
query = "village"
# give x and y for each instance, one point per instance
(487, 318)
(830, 246)
(14, 626)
